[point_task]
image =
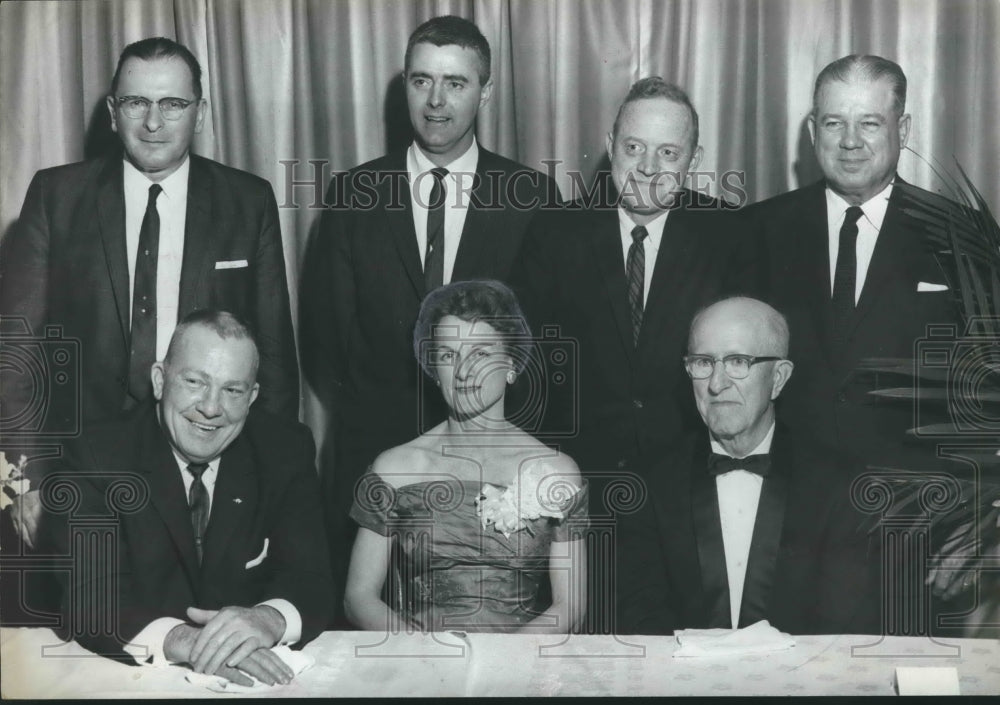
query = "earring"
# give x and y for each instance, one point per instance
(511, 376)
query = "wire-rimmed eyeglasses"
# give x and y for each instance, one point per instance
(136, 107)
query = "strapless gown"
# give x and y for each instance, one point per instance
(446, 570)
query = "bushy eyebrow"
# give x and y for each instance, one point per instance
(840, 116)
(447, 77)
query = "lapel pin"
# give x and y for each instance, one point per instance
(238, 500)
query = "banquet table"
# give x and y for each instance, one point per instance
(37, 664)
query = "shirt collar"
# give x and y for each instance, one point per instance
(213, 465)
(654, 228)
(874, 208)
(763, 448)
(174, 186)
(418, 162)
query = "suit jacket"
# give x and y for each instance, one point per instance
(826, 395)
(364, 282)
(621, 400)
(266, 489)
(808, 572)
(65, 264)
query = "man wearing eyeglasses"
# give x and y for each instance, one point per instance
(746, 522)
(117, 249)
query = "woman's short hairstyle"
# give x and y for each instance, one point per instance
(484, 300)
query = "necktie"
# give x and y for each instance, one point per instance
(199, 503)
(759, 464)
(434, 258)
(635, 272)
(143, 329)
(845, 275)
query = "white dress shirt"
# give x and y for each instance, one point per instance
(171, 205)
(739, 494)
(869, 226)
(149, 642)
(458, 193)
(651, 245)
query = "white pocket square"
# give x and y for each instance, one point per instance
(928, 286)
(232, 264)
(259, 559)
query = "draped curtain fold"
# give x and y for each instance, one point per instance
(297, 88)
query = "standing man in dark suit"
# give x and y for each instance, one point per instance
(117, 249)
(621, 278)
(220, 553)
(849, 266)
(443, 210)
(747, 522)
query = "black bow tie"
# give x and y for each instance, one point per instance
(759, 464)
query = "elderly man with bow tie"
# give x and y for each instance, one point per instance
(745, 522)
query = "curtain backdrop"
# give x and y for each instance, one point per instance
(297, 88)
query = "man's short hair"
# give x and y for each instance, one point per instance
(449, 29)
(225, 324)
(656, 87)
(159, 48)
(868, 68)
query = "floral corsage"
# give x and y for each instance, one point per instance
(538, 490)
(13, 483)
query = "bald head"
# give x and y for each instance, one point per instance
(739, 410)
(761, 325)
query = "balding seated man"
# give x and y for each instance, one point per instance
(744, 522)
(220, 552)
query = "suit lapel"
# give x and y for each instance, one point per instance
(708, 537)
(234, 501)
(477, 232)
(198, 241)
(811, 261)
(167, 494)
(894, 252)
(766, 542)
(394, 188)
(111, 221)
(671, 281)
(606, 240)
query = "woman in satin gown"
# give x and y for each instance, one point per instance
(474, 525)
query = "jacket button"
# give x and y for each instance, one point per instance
(622, 463)
(842, 397)
(637, 403)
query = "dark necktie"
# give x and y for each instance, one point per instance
(199, 503)
(759, 464)
(434, 258)
(143, 329)
(635, 272)
(845, 275)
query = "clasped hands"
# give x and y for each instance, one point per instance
(231, 642)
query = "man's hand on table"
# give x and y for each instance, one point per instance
(231, 640)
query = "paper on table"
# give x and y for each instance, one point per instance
(298, 661)
(758, 638)
(927, 680)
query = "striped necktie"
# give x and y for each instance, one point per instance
(635, 272)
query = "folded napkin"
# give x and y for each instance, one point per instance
(298, 661)
(759, 638)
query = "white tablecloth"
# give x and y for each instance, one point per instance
(35, 664)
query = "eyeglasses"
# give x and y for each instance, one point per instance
(135, 107)
(736, 366)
